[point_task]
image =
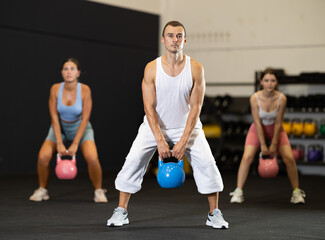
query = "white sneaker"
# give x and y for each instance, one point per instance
(215, 220)
(298, 196)
(237, 196)
(39, 194)
(100, 196)
(119, 218)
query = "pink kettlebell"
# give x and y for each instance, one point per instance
(66, 169)
(296, 153)
(268, 167)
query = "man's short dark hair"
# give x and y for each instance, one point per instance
(173, 24)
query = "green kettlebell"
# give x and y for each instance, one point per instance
(322, 129)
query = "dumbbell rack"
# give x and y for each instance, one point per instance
(235, 121)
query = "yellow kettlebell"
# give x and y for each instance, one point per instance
(297, 127)
(309, 127)
(286, 124)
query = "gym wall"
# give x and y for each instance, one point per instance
(233, 39)
(113, 46)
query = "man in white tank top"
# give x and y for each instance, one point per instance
(173, 89)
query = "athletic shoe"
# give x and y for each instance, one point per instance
(39, 194)
(119, 218)
(237, 196)
(298, 196)
(100, 196)
(215, 220)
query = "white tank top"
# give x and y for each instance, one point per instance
(268, 118)
(173, 96)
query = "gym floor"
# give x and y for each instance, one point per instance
(157, 213)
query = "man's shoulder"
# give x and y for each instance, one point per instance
(195, 64)
(150, 69)
(151, 64)
(197, 68)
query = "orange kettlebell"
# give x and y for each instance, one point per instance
(268, 167)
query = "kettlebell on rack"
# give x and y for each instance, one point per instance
(322, 127)
(298, 152)
(295, 152)
(297, 127)
(268, 167)
(170, 174)
(66, 169)
(315, 153)
(286, 124)
(309, 127)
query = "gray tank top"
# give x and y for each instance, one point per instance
(268, 118)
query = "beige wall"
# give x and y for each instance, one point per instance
(234, 38)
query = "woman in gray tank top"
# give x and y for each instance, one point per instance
(268, 107)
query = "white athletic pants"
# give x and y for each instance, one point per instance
(198, 153)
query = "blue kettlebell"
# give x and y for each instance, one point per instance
(171, 174)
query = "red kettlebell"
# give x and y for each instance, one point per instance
(66, 169)
(268, 167)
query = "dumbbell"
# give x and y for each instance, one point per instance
(226, 102)
(294, 103)
(218, 102)
(236, 158)
(212, 130)
(311, 102)
(239, 127)
(207, 110)
(302, 102)
(319, 98)
(289, 101)
(229, 128)
(225, 157)
(246, 127)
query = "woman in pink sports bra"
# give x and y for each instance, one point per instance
(268, 108)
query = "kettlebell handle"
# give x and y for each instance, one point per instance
(59, 159)
(59, 156)
(179, 163)
(261, 156)
(161, 162)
